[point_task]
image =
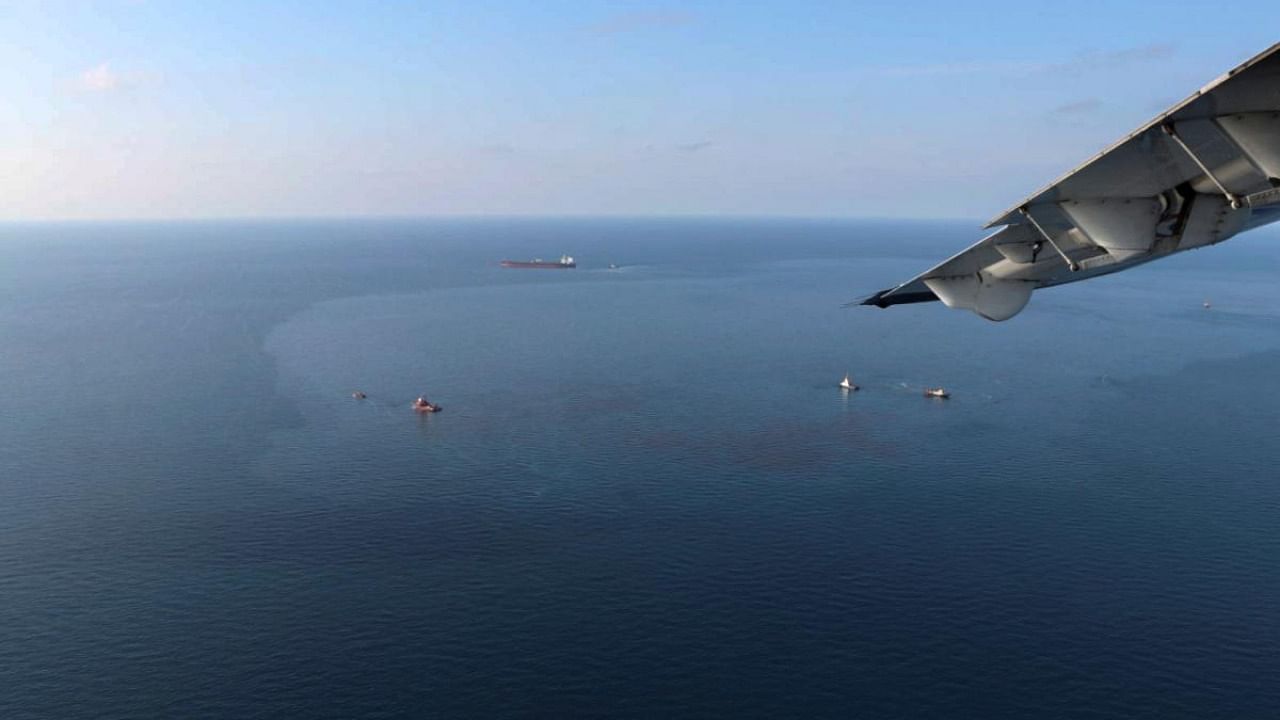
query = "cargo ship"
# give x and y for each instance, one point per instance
(565, 262)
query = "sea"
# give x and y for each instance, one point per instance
(645, 496)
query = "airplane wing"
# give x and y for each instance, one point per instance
(1206, 169)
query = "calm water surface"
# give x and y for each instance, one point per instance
(645, 497)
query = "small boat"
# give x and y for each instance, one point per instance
(358, 395)
(847, 384)
(936, 393)
(422, 405)
(613, 266)
(1207, 305)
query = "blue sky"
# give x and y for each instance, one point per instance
(923, 109)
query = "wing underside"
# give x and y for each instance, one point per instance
(1197, 174)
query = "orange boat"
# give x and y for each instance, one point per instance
(423, 405)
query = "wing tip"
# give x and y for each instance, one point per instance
(885, 298)
(876, 299)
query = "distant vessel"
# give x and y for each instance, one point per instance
(566, 262)
(936, 393)
(358, 395)
(847, 384)
(422, 405)
(1207, 305)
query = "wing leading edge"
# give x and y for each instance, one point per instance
(1199, 173)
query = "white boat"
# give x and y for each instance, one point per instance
(847, 384)
(937, 393)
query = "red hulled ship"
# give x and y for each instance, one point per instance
(565, 262)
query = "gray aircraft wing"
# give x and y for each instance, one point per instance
(1201, 172)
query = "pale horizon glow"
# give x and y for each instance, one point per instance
(128, 110)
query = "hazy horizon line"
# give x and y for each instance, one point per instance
(477, 216)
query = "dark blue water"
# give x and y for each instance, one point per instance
(645, 497)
